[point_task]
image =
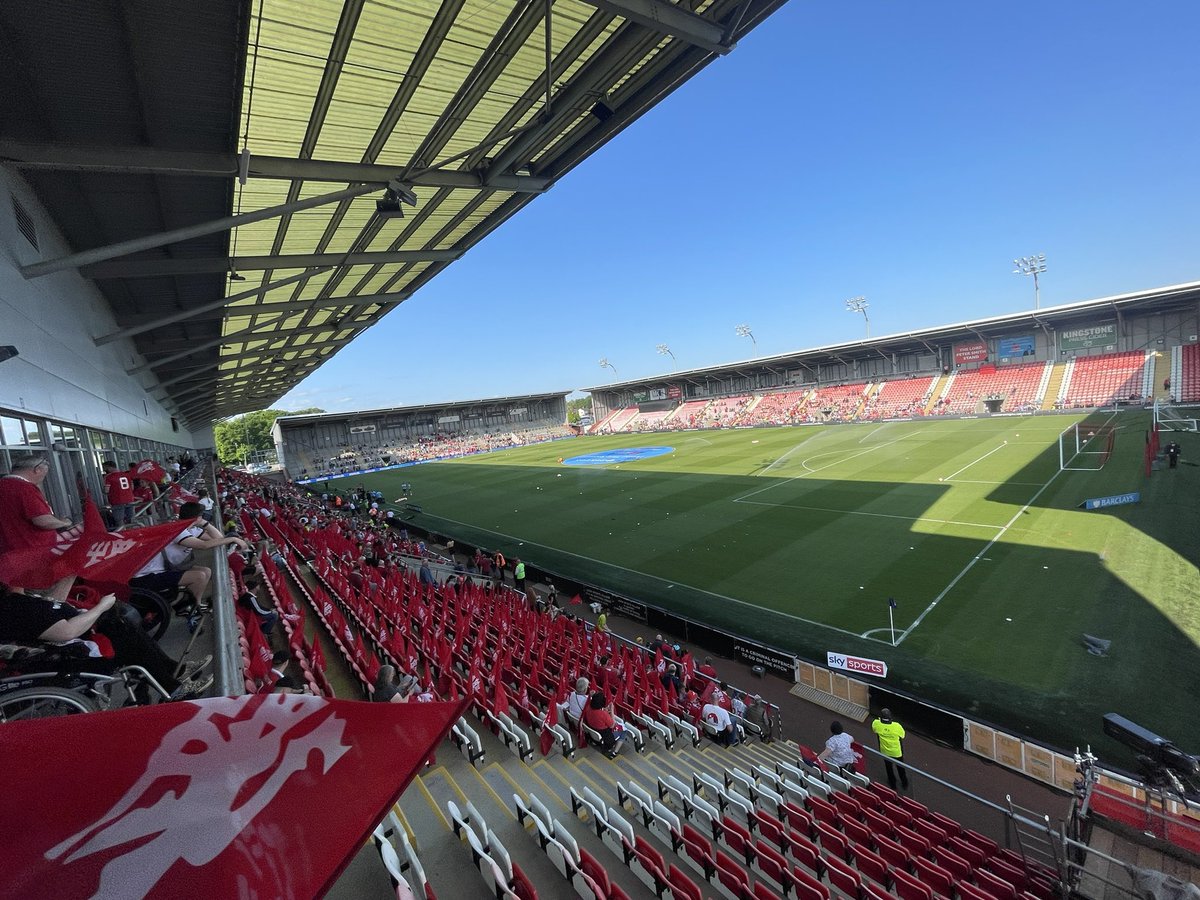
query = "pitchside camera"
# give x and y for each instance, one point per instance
(1154, 752)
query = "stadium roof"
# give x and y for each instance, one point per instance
(142, 126)
(1179, 296)
(402, 410)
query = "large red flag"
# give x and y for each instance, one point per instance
(149, 470)
(213, 798)
(547, 738)
(89, 552)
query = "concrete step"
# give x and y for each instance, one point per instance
(440, 852)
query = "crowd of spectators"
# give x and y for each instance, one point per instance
(443, 445)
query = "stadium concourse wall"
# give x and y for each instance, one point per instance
(61, 394)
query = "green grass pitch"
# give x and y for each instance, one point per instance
(797, 537)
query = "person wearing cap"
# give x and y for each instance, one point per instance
(891, 735)
(577, 701)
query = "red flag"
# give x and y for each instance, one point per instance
(547, 739)
(149, 470)
(575, 601)
(500, 699)
(210, 798)
(90, 552)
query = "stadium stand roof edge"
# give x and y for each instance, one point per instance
(394, 410)
(1189, 293)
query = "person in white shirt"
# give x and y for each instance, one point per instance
(169, 569)
(577, 702)
(718, 718)
(838, 751)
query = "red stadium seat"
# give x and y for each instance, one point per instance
(941, 880)
(808, 887)
(846, 805)
(910, 888)
(877, 892)
(762, 892)
(773, 865)
(682, 887)
(953, 863)
(805, 852)
(994, 885)
(737, 838)
(824, 811)
(865, 798)
(913, 842)
(769, 828)
(800, 821)
(732, 876)
(948, 825)
(858, 832)
(932, 833)
(894, 853)
(872, 865)
(879, 823)
(833, 842)
(843, 877)
(591, 867)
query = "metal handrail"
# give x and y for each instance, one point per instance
(228, 670)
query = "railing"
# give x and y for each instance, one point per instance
(229, 680)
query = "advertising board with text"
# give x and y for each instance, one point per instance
(856, 664)
(1089, 338)
(967, 352)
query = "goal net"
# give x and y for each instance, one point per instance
(1086, 446)
(1176, 416)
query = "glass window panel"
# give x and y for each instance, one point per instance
(11, 432)
(33, 433)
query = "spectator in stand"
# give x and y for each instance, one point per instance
(425, 575)
(707, 668)
(118, 491)
(656, 644)
(28, 619)
(598, 716)
(498, 563)
(173, 570)
(578, 700)
(26, 519)
(248, 599)
(387, 690)
(670, 678)
(758, 715)
(206, 502)
(838, 752)
(519, 574)
(718, 718)
(278, 681)
(737, 706)
(602, 622)
(720, 697)
(694, 706)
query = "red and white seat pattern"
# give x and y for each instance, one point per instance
(1185, 373)
(1100, 380)
(837, 403)
(900, 398)
(1021, 386)
(781, 408)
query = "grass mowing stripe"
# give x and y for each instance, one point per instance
(855, 455)
(602, 562)
(986, 547)
(858, 512)
(968, 465)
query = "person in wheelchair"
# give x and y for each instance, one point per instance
(174, 572)
(29, 619)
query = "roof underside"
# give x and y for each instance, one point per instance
(452, 101)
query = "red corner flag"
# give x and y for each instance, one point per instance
(214, 798)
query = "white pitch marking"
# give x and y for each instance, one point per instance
(858, 512)
(980, 555)
(1017, 483)
(647, 575)
(880, 428)
(968, 465)
(853, 455)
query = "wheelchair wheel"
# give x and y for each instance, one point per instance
(42, 703)
(154, 610)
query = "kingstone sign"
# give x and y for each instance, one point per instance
(857, 664)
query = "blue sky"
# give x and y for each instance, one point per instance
(905, 152)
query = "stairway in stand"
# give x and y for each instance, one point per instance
(1054, 385)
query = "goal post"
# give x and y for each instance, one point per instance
(1085, 446)
(1176, 416)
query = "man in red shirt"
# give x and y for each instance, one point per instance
(118, 488)
(26, 519)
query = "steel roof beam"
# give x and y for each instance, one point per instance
(153, 268)
(175, 235)
(134, 160)
(263, 309)
(667, 18)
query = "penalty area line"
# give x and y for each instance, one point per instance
(602, 562)
(968, 465)
(981, 554)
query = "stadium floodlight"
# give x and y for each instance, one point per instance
(744, 331)
(859, 305)
(1032, 265)
(605, 364)
(664, 350)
